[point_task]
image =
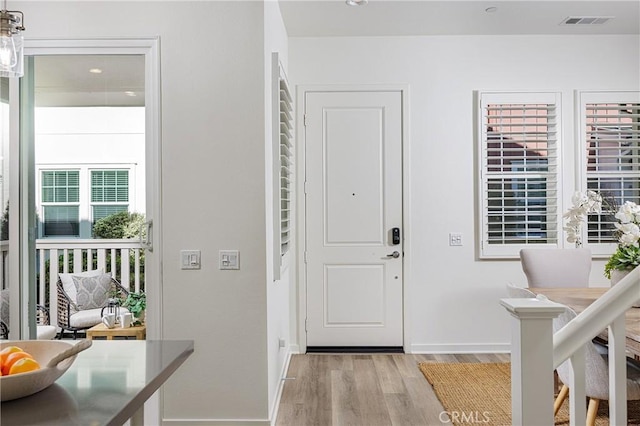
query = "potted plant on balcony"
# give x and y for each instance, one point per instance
(137, 304)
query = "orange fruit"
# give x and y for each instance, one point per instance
(11, 359)
(24, 365)
(8, 351)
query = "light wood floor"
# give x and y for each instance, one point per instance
(364, 390)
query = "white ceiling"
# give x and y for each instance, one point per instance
(56, 75)
(328, 18)
(65, 80)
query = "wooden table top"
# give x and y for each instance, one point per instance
(100, 330)
(579, 298)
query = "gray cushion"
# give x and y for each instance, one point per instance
(92, 292)
(68, 285)
(89, 318)
(46, 332)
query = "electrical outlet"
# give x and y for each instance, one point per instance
(455, 239)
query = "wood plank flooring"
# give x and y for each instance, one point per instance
(364, 390)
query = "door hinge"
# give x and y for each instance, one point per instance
(304, 119)
(305, 324)
(305, 256)
(305, 187)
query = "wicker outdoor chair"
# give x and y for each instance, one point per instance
(44, 330)
(72, 319)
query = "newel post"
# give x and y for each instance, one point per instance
(532, 360)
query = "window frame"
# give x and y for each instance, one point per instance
(583, 98)
(45, 204)
(554, 233)
(93, 204)
(283, 168)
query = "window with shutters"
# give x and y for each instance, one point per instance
(518, 139)
(109, 192)
(286, 164)
(61, 203)
(610, 157)
(283, 166)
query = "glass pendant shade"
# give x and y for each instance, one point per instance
(11, 57)
(11, 44)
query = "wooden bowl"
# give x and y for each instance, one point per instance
(54, 356)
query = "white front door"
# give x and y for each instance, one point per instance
(353, 202)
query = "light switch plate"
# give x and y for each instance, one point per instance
(189, 259)
(229, 259)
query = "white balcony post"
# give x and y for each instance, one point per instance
(532, 359)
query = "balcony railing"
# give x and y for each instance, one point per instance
(535, 349)
(123, 258)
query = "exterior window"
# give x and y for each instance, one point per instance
(109, 192)
(60, 203)
(610, 135)
(519, 176)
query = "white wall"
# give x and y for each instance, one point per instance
(91, 138)
(454, 296)
(278, 308)
(213, 194)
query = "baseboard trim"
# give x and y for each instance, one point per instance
(216, 422)
(273, 415)
(464, 348)
(294, 349)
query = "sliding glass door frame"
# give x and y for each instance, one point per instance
(22, 268)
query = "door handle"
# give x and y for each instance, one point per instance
(146, 235)
(395, 255)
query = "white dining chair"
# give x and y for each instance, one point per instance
(519, 292)
(556, 267)
(597, 374)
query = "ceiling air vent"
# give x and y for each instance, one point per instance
(586, 20)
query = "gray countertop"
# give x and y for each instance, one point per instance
(106, 385)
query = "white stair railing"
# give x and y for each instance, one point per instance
(535, 349)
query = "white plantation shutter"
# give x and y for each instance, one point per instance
(286, 164)
(519, 143)
(283, 135)
(610, 154)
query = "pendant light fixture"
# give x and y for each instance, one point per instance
(11, 42)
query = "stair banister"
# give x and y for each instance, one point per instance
(531, 356)
(568, 343)
(607, 311)
(596, 317)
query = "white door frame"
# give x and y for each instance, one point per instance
(150, 48)
(301, 91)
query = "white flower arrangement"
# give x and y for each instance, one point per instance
(627, 255)
(583, 204)
(629, 223)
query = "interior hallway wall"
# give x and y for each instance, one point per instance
(453, 295)
(213, 195)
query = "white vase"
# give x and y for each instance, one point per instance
(617, 275)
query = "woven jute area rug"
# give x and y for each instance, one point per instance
(480, 393)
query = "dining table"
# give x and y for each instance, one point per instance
(578, 298)
(107, 384)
